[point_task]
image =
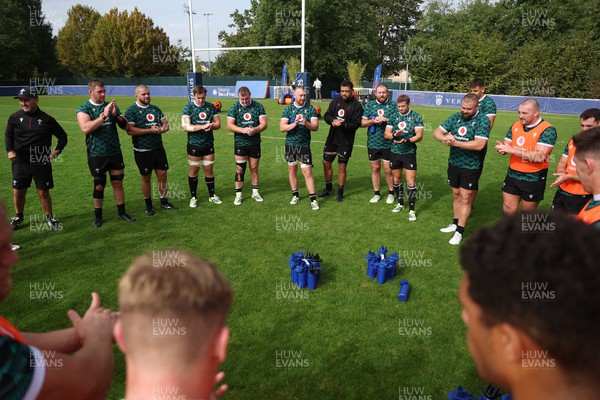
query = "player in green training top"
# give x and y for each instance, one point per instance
(466, 133)
(146, 125)
(98, 120)
(487, 107)
(298, 120)
(375, 117)
(405, 129)
(246, 119)
(199, 119)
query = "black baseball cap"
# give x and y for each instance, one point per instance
(26, 94)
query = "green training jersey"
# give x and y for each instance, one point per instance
(375, 109)
(487, 106)
(20, 370)
(407, 123)
(299, 136)
(548, 138)
(143, 118)
(200, 115)
(104, 141)
(246, 116)
(466, 131)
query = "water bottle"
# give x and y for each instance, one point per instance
(404, 289)
(491, 393)
(292, 120)
(381, 273)
(372, 128)
(311, 280)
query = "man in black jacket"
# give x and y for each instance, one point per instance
(344, 115)
(29, 147)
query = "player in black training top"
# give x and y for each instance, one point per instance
(29, 147)
(344, 115)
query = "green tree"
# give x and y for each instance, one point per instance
(116, 44)
(25, 41)
(236, 62)
(130, 45)
(396, 23)
(525, 47)
(72, 43)
(335, 33)
(293, 66)
(356, 71)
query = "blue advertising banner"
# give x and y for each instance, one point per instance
(377, 76)
(284, 76)
(550, 105)
(435, 99)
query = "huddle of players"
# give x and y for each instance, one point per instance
(392, 131)
(529, 142)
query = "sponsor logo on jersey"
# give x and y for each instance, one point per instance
(150, 117)
(462, 131)
(402, 125)
(202, 115)
(247, 116)
(380, 112)
(341, 113)
(573, 162)
(520, 141)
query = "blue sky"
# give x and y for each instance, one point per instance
(169, 15)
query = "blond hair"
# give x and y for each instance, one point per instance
(172, 304)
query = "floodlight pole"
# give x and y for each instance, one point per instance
(208, 36)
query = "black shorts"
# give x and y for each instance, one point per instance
(342, 151)
(24, 173)
(100, 165)
(151, 160)
(482, 155)
(571, 204)
(298, 153)
(404, 161)
(198, 151)
(248, 151)
(379, 154)
(527, 191)
(464, 178)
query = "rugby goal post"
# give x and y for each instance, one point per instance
(297, 46)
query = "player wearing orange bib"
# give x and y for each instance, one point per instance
(571, 196)
(529, 142)
(587, 160)
(49, 365)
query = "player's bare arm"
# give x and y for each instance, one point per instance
(473, 145)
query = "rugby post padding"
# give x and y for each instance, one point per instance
(193, 79)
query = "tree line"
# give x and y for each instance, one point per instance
(519, 47)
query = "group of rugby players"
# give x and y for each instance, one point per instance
(393, 130)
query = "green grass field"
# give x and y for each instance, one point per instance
(349, 339)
